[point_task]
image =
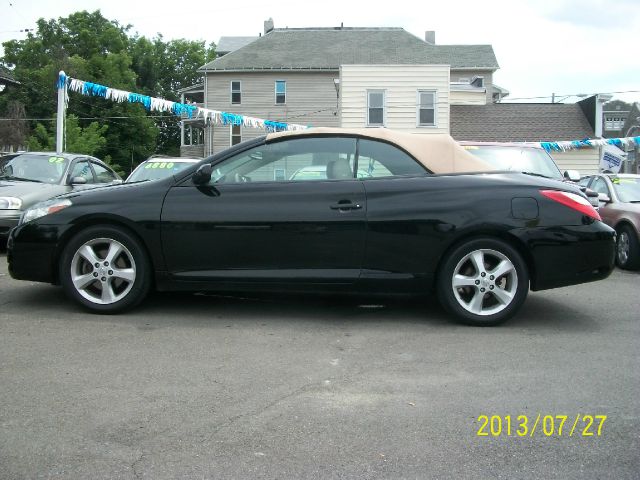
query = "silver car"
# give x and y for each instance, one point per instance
(32, 177)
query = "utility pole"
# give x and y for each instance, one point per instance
(62, 91)
(553, 98)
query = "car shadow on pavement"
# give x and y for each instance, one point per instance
(163, 309)
(545, 313)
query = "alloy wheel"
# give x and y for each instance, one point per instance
(103, 271)
(484, 282)
(623, 248)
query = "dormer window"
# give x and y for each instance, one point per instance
(477, 81)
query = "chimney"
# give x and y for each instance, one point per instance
(268, 25)
(430, 37)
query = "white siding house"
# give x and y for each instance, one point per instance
(585, 160)
(413, 98)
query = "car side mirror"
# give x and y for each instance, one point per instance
(572, 175)
(592, 196)
(117, 182)
(78, 181)
(604, 198)
(203, 174)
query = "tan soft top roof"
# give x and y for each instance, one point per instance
(437, 152)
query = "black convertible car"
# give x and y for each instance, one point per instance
(419, 221)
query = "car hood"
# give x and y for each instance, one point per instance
(30, 192)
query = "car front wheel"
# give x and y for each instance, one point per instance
(483, 282)
(627, 249)
(105, 269)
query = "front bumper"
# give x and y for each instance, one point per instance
(8, 220)
(32, 251)
(562, 256)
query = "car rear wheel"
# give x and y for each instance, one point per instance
(105, 269)
(627, 249)
(483, 282)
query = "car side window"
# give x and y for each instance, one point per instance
(584, 181)
(380, 159)
(600, 186)
(103, 175)
(296, 160)
(83, 169)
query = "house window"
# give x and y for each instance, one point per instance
(236, 134)
(375, 107)
(426, 108)
(608, 123)
(236, 92)
(477, 81)
(279, 174)
(193, 135)
(281, 92)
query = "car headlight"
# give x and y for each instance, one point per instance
(44, 208)
(10, 203)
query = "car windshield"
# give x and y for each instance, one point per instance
(627, 188)
(33, 168)
(156, 170)
(520, 159)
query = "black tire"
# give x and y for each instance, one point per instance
(627, 248)
(125, 294)
(513, 285)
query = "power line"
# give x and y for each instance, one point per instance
(570, 95)
(89, 118)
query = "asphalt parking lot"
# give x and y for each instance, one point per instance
(193, 386)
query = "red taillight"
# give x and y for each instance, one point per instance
(572, 200)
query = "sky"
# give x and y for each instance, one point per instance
(566, 47)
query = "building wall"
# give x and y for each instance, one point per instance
(585, 160)
(196, 151)
(456, 75)
(401, 84)
(311, 100)
(462, 97)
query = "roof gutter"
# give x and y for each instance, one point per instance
(269, 69)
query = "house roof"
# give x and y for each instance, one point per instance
(519, 122)
(6, 76)
(617, 106)
(198, 87)
(328, 48)
(229, 44)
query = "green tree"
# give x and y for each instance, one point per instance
(88, 46)
(163, 68)
(89, 140)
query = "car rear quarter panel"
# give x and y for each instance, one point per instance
(414, 222)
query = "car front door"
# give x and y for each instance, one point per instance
(81, 168)
(607, 210)
(260, 219)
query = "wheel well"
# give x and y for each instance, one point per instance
(506, 237)
(624, 223)
(75, 229)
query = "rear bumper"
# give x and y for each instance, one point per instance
(562, 256)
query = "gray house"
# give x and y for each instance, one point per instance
(536, 122)
(293, 75)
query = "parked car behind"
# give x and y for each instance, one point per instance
(424, 222)
(157, 167)
(319, 172)
(31, 177)
(620, 208)
(528, 158)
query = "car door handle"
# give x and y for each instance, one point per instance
(345, 205)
